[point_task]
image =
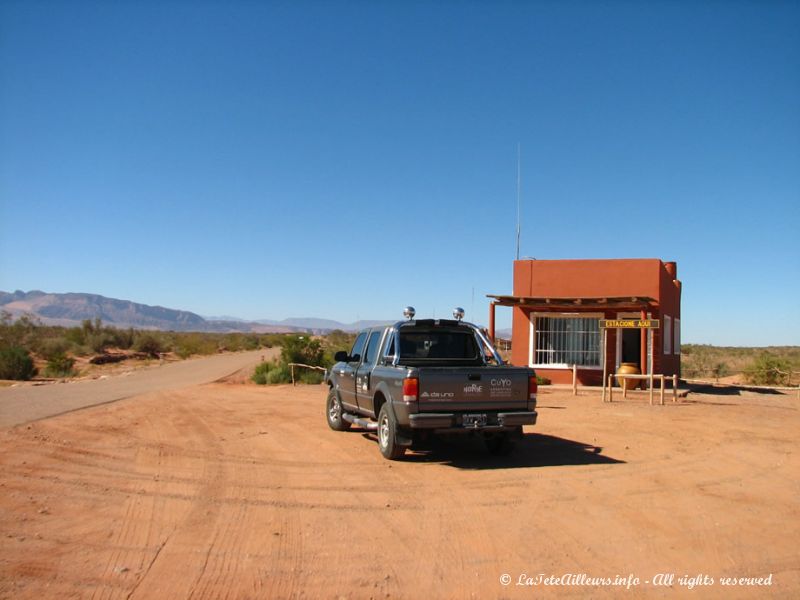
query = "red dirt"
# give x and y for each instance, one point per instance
(234, 491)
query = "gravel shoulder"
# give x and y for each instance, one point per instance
(240, 491)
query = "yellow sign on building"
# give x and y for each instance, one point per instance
(629, 323)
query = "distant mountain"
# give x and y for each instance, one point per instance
(71, 309)
(323, 324)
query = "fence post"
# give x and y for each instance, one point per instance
(292, 368)
(610, 388)
(574, 380)
(651, 388)
(675, 388)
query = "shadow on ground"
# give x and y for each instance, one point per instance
(729, 390)
(533, 450)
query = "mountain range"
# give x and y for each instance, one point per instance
(71, 309)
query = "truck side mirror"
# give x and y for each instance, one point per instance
(340, 356)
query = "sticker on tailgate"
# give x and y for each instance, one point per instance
(437, 395)
(500, 387)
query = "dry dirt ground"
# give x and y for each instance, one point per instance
(239, 491)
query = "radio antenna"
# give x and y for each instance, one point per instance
(519, 177)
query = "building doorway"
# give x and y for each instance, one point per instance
(629, 344)
(631, 350)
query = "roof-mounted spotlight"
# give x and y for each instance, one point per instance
(409, 312)
(458, 313)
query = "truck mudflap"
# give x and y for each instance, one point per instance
(472, 421)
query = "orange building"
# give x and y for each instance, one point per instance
(557, 305)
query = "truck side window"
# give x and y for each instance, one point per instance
(358, 347)
(372, 347)
(390, 347)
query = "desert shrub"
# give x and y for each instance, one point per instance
(302, 349)
(768, 369)
(260, 374)
(720, 369)
(24, 333)
(121, 338)
(280, 374)
(75, 336)
(309, 376)
(294, 349)
(250, 342)
(542, 380)
(148, 343)
(99, 341)
(189, 344)
(16, 363)
(60, 365)
(52, 347)
(272, 372)
(339, 340)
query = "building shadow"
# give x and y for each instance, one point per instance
(532, 450)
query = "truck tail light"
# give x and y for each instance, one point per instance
(410, 389)
(533, 387)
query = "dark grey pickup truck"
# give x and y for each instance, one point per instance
(428, 376)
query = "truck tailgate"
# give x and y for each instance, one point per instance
(471, 388)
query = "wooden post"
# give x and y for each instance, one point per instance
(292, 368)
(662, 390)
(652, 363)
(610, 388)
(643, 345)
(605, 365)
(624, 384)
(675, 388)
(574, 380)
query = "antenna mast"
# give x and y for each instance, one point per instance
(519, 177)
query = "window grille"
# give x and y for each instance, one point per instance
(564, 341)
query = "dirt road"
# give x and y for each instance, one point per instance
(28, 403)
(234, 491)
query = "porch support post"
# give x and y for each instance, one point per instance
(643, 345)
(491, 321)
(605, 362)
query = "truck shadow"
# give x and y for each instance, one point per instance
(533, 450)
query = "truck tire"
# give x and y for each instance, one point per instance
(334, 411)
(387, 428)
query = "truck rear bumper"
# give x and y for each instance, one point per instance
(452, 421)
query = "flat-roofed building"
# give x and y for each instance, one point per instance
(558, 304)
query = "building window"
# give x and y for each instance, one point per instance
(563, 341)
(667, 335)
(677, 335)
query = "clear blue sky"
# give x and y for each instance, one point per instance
(344, 159)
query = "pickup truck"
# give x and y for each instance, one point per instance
(417, 378)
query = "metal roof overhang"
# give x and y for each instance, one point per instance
(576, 303)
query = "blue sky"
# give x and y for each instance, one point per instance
(344, 159)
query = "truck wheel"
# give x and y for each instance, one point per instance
(387, 428)
(501, 444)
(333, 409)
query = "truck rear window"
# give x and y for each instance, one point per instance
(439, 345)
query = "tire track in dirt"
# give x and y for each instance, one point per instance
(226, 491)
